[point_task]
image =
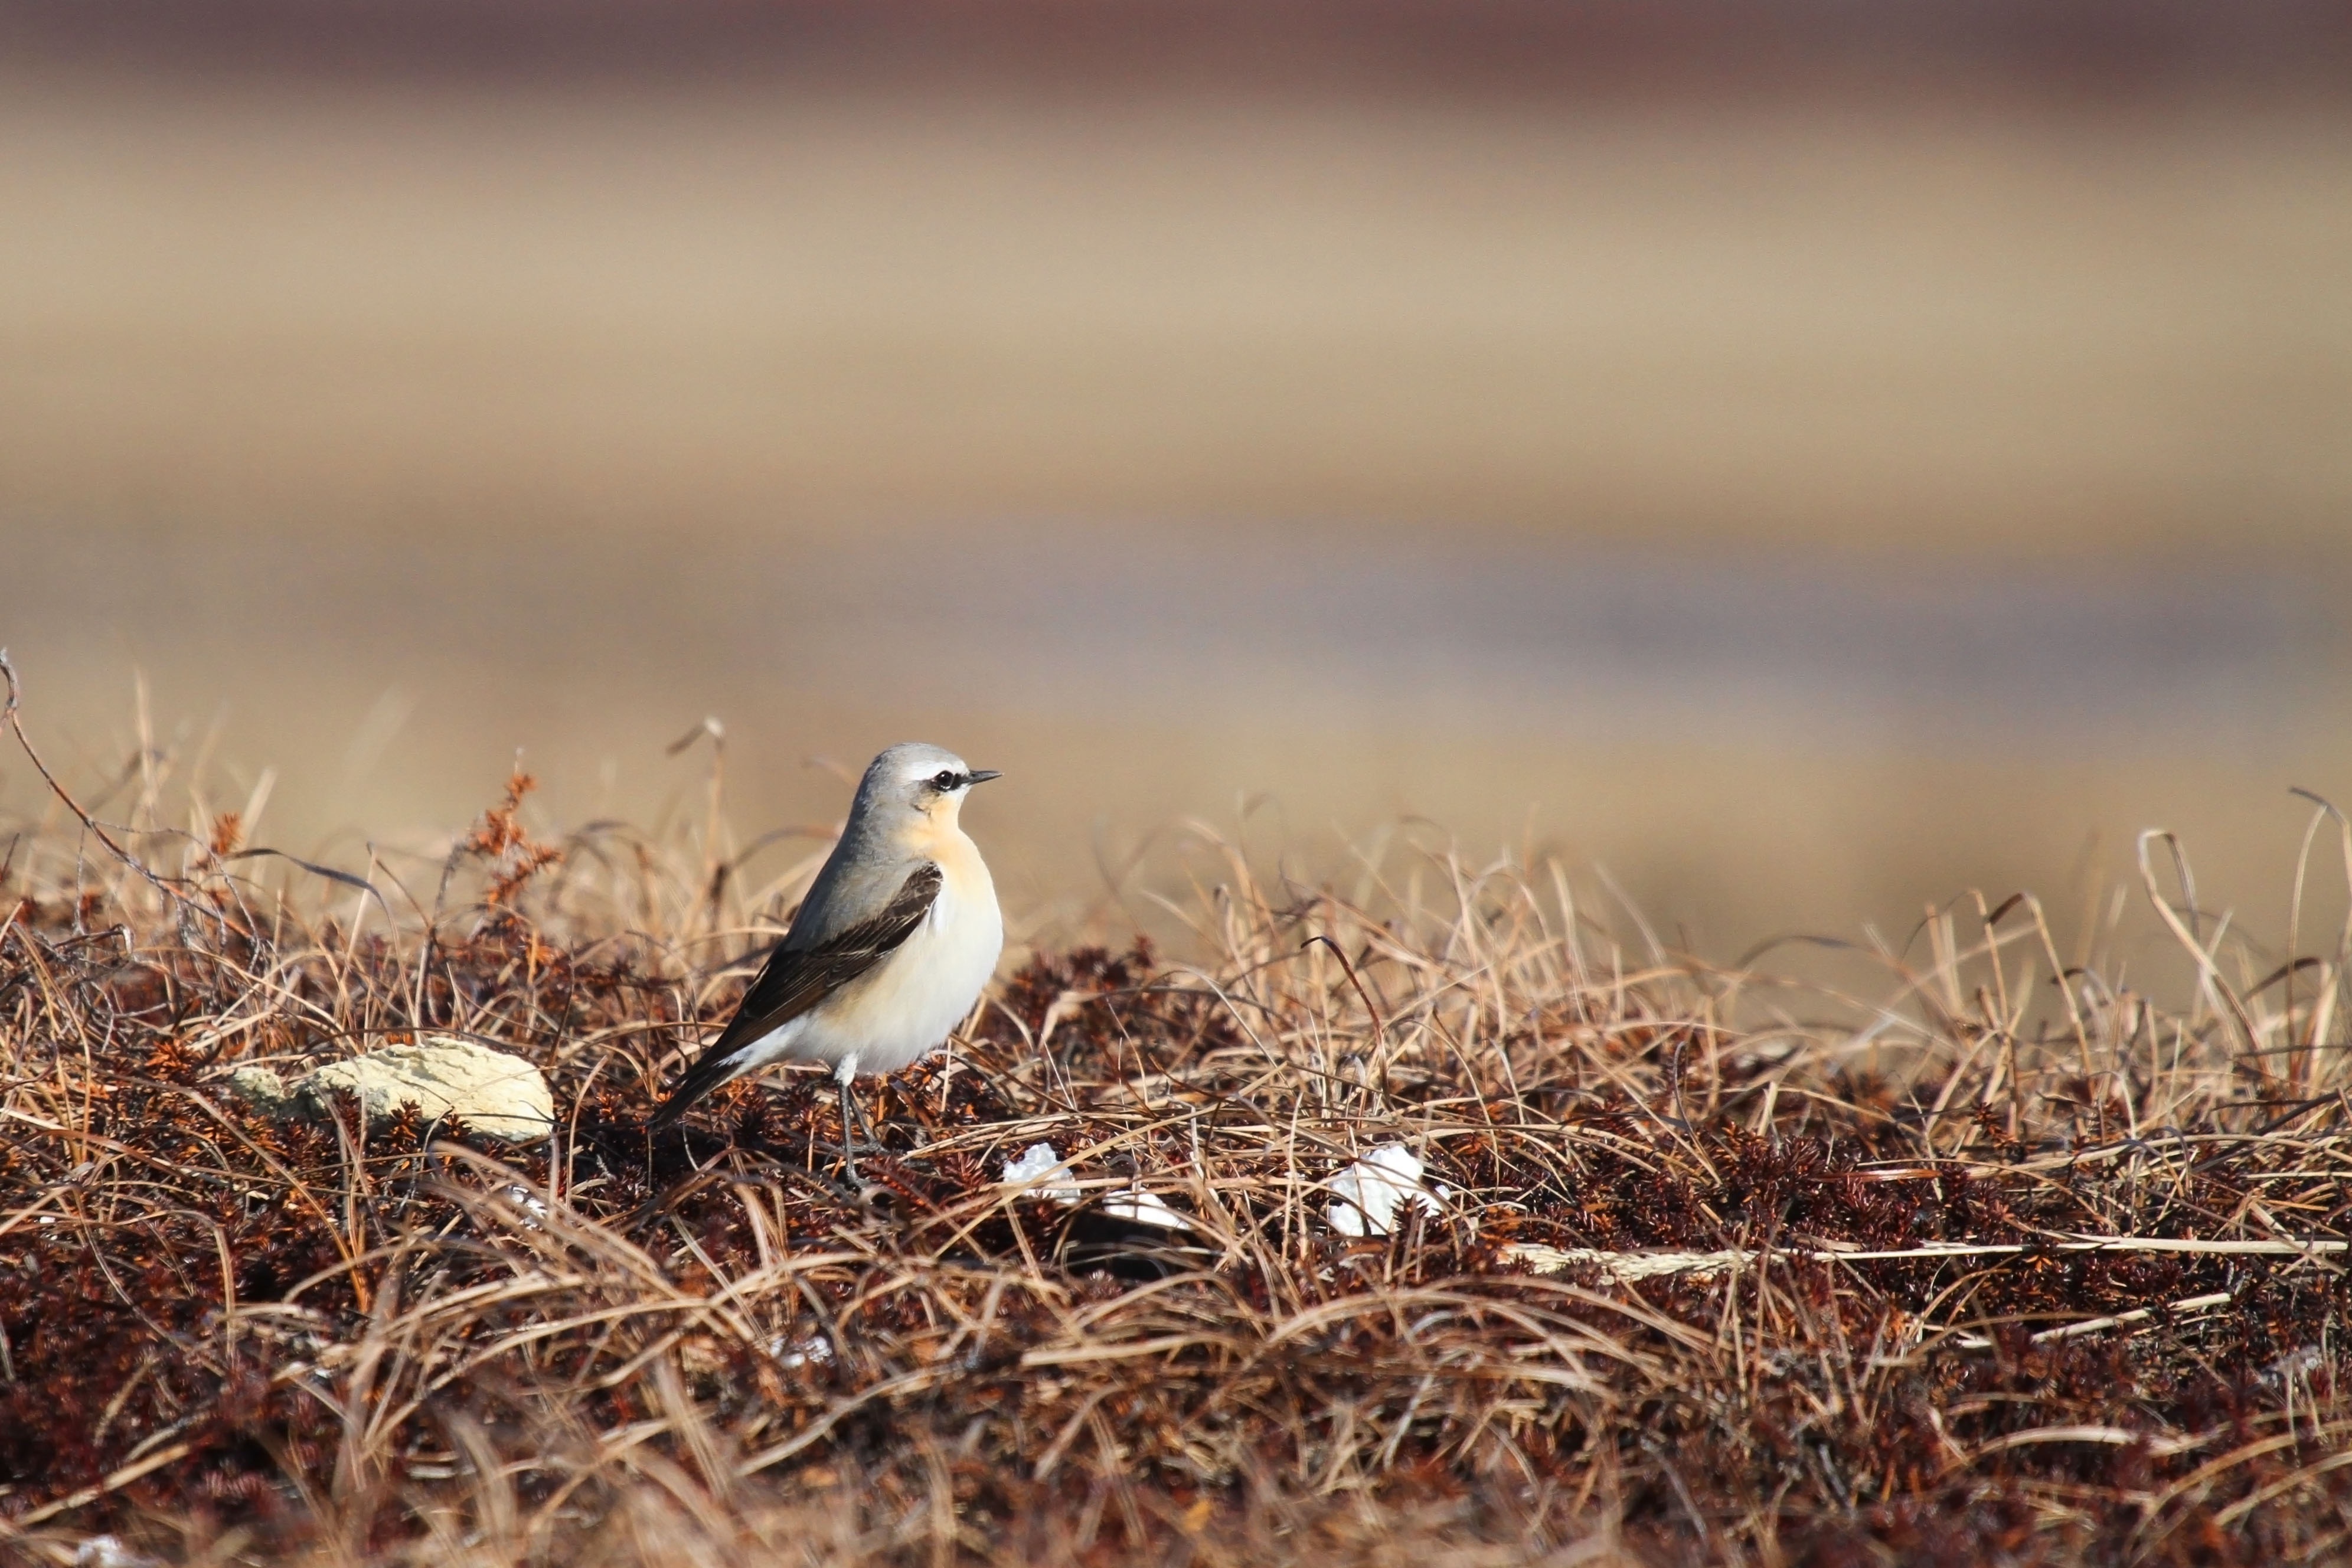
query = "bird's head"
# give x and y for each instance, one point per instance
(927, 780)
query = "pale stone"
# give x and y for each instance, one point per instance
(1139, 1207)
(1628, 1266)
(494, 1094)
(261, 1089)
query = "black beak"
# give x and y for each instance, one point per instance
(981, 775)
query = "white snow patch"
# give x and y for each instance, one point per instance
(533, 1209)
(1039, 1163)
(816, 1350)
(1369, 1193)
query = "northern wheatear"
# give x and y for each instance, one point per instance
(889, 950)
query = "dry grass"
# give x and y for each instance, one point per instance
(231, 1339)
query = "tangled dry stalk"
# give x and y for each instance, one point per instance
(1727, 1267)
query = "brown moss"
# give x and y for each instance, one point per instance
(359, 1342)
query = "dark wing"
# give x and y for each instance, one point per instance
(793, 981)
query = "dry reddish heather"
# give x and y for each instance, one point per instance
(229, 1339)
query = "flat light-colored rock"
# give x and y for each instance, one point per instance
(263, 1090)
(1626, 1267)
(494, 1093)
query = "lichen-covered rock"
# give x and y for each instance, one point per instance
(494, 1094)
(263, 1090)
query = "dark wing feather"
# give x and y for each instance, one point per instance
(793, 981)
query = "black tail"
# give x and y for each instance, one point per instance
(709, 1071)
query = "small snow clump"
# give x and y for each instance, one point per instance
(811, 1350)
(533, 1208)
(1038, 1163)
(1369, 1193)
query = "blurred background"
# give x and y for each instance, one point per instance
(1805, 458)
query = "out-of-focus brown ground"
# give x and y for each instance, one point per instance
(1169, 440)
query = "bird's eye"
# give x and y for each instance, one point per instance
(945, 779)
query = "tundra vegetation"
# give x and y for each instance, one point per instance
(2008, 1255)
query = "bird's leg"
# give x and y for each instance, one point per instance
(848, 1164)
(842, 1074)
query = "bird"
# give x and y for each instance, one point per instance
(893, 944)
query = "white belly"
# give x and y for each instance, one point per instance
(906, 1006)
